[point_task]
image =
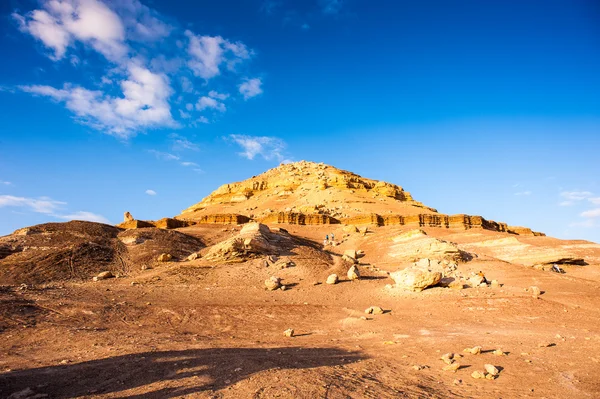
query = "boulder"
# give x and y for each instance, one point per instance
(165, 257)
(476, 350)
(415, 279)
(289, 332)
(349, 259)
(453, 367)
(353, 273)
(535, 291)
(374, 310)
(491, 369)
(476, 280)
(351, 253)
(273, 283)
(478, 374)
(332, 279)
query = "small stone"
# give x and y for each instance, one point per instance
(490, 376)
(374, 310)
(495, 284)
(289, 332)
(535, 291)
(283, 288)
(452, 367)
(491, 369)
(447, 358)
(418, 367)
(498, 352)
(165, 257)
(273, 283)
(457, 382)
(477, 374)
(332, 279)
(353, 273)
(145, 267)
(476, 350)
(103, 276)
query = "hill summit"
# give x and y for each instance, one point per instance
(310, 193)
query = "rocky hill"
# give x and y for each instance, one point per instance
(308, 193)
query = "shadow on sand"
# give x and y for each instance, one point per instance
(214, 369)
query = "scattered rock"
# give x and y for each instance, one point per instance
(353, 273)
(332, 279)
(283, 288)
(415, 279)
(457, 382)
(419, 367)
(478, 375)
(351, 253)
(145, 267)
(476, 350)
(289, 332)
(104, 276)
(452, 367)
(535, 291)
(491, 369)
(448, 358)
(273, 283)
(165, 257)
(498, 352)
(494, 284)
(476, 280)
(374, 310)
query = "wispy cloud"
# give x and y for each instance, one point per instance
(571, 197)
(150, 192)
(523, 193)
(269, 148)
(138, 82)
(189, 164)
(181, 143)
(592, 213)
(48, 206)
(165, 156)
(5, 183)
(251, 88)
(83, 215)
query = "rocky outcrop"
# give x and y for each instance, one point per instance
(135, 224)
(170, 223)
(524, 231)
(127, 217)
(416, 244)
(219, 218)
(254, 239)
(299, 218)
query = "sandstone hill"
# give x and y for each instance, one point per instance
(308, 193)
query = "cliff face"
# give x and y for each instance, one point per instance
(307, 193)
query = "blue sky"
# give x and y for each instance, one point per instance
(489, 108)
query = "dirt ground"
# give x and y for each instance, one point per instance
(204, 330)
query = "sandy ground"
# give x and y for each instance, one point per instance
(196, 329)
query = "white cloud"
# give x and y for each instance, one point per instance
(251, 88)
(217, 95)
(572, 197)
(84, 215)
(210, 103)
(594, 200)
(523, 193)
(189, 164)
(180, 143)
(39, 205)
(147, 68)
(592, 213)
(48, 206)
(150, 192)
(267, 147)
(64, 21)
(144, 103)
(165, 156)
(208, 53)
(5, 183)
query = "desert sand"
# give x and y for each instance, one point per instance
(238, 270)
